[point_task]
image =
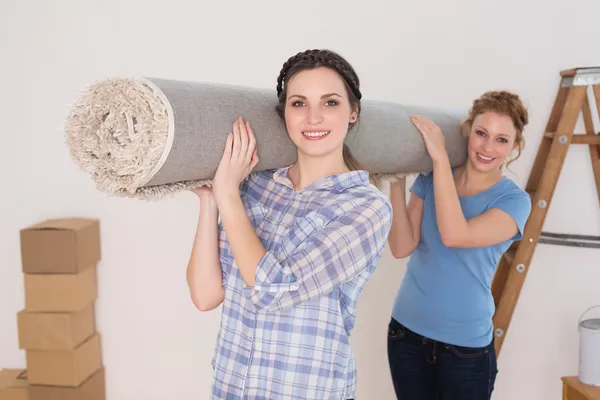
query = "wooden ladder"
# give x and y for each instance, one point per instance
(571, 99)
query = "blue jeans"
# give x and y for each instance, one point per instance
(425, 369)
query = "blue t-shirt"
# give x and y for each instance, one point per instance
(446, 292)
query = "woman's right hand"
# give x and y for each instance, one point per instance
(203, 191)
(206, 195)
(398, 179)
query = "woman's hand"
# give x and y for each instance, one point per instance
(206, 196)
(203, 192)
(239, 158)
(432, 135)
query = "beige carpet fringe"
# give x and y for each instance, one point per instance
(118, 132)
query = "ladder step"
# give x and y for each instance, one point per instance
(579, 138)
(565, 239)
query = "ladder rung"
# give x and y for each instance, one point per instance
(579, 138)
(565, 239)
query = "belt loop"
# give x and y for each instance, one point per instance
(433, 358)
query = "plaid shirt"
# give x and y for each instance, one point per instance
(288, 336)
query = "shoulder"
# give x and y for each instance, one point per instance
(366, 200)
(509, 191)
(423, 184)
(367, 193)
(257, 176)
(257, 182)
(378, 200)
(510, 198)
(425, 177)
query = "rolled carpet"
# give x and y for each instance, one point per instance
(148, 138)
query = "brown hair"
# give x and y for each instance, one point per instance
(504, 103)
(311, 59)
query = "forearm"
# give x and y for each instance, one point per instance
(204, 275)
(401, 238)
(451, 221)
(245, 245)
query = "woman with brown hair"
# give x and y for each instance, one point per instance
(295, 246)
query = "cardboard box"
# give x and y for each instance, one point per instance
(61, 292)
(13, 386)
(94, 388)
(64, 368)
(60, 246)
(55, 331)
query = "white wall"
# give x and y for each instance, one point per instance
(155, 344)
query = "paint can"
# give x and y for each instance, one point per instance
(589, 349)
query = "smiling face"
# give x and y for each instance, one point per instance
(318, 112)
(492, 137)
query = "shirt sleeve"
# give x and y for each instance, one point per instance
(419, 187)
(225, 256)
(517, 204)
(347, 246)
(223, 248)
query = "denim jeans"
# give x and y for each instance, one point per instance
(425, 369)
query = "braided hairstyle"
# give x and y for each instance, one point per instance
(311, 59)
(315, 58)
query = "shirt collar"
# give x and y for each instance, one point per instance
(338, 182)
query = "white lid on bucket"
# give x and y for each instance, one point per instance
(593, 324)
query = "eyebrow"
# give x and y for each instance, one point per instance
(483, 129)
(324, 96)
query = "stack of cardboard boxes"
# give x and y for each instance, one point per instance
(57, 328)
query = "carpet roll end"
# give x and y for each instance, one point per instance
(117, 131)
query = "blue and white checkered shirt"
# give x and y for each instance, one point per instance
(288, 336)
